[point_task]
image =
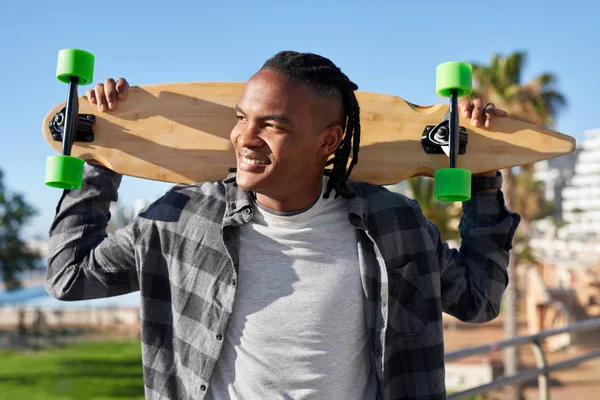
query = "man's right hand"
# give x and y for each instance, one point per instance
(106, 95)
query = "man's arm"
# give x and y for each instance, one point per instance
(84, 262)
(473, 279)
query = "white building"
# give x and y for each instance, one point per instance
(556, 174)
(575, 186)
(581, 199)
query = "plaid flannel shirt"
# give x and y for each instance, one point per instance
(181, 253)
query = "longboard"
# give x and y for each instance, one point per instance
(179, 133)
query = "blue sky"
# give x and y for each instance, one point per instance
(390, 47)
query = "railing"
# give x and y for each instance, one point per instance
(543, 369)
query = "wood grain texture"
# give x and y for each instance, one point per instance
(180, 133)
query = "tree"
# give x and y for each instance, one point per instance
(537, 102)
(15, 256)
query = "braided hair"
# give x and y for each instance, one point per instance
(329, 82)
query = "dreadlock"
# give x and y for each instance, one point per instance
(329, 82)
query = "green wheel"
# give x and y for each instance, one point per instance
(454, 75)
(452, 184)
(64, 172)
(73, 62)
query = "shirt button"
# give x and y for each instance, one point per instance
(219, 337)
(247, 211)
(203, 388)
(233, 206)
(233, 282)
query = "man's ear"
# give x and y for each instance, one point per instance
(332, 137)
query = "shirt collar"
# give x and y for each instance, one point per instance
(239, 206)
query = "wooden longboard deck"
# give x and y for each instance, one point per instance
(180, 133)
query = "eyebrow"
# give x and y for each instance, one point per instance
(269, 117)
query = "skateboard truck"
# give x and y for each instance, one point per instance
(453, 80)
(74, 67)
(83, 126)
(71, 116)
(435, 139)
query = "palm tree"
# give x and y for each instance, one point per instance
(538, 102)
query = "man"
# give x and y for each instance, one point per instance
(282, 281)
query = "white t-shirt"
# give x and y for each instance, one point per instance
(298, 327)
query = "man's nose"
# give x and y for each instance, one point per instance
(249, 136)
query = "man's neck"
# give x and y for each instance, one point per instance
(291, 203)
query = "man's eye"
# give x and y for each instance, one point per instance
(274, 126)
(241, 118)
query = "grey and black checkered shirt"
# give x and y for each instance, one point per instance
(182, 254)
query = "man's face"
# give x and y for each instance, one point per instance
(282, 138)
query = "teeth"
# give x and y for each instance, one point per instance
(253, 161)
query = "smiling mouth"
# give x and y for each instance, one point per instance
(255, 161)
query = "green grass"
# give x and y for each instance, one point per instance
(94, 370)
(90, 371)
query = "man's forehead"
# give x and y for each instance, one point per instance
(267, 76)
(272, 90)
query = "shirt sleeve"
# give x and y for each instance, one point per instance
(474, 278)
(84, 261)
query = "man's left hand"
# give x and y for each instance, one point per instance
(481, 116)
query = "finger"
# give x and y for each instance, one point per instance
(466, 108)
(489, 116)
(489, 112)
(100, 98)
(110, 91)
(91, 96)
(477, 113)
(500, 113)
(122, 89)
